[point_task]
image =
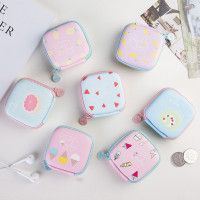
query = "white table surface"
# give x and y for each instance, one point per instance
(103, 20)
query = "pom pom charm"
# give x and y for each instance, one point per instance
(84, 119)
(58, 92)
(103, 155)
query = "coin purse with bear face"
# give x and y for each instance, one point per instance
(132, 156)
(101, 95)
(69, 151)
(168, 113)
(30, 102)
(139, 47)
(66, 46)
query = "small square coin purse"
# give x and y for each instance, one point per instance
(168, 113)
(69, 151)
(30, 102)
(66, 46)
(101, 95)
(132, 156)
(139, 47)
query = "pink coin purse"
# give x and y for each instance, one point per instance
(69, 151)
(66, 46)
(139, 47)
(132, 156)
(29, 102)
(101, 95)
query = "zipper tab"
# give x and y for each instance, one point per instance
(58, 92)
(139, 117)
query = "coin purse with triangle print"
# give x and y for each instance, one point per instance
(66, 46)
(29, 102)
(68, 151)
(101, 95)
(132, 156)
(169, 113)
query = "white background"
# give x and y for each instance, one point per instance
(103, 20)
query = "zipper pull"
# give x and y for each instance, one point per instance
(103, 155)
(84, 119)
(139, 117)
(58, 92)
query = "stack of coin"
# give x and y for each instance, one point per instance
(189, 156)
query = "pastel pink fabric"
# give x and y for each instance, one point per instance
(134, 157)
(66, 45)
(139, 47)
(68, 151)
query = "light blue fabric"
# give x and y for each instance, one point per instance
(169, 114)
(107, 94)
(15, 104)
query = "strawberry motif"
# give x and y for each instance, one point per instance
(119, 95)
(115, 84)
(91, 107)
(103, 105)
(87, 92)
(97, 93)
(99, 77)
(116, 104)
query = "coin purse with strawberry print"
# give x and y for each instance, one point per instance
(29, 102)
(139, 46)
(132, 156)
(168, 113)
(66, 46)
(69, 151)
(101, 95)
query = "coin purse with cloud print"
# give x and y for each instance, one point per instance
(29, 102)
(139, 47)
(66, 46)
(168, 113)
(101, 95)
(132, 156)
(69, 151)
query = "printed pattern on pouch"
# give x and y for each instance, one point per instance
(102, 93)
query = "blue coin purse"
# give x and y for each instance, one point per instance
(30, 102)
(168, 113)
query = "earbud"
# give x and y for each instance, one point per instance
(30, 159)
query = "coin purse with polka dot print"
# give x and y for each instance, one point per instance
(101, 95)
(139, 47)
(30, 102)
(132, 156)
(168, 113)
(66, 46)
(69, 151)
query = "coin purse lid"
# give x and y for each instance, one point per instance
(102, 94)
(30, 102)
(139, 47)
(169, 113)
(133, 156)
(69, 150)
(66, 45)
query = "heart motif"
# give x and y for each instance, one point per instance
(116, 104)
(118, 95)
(103, 106)
(135, 174)
(99, 77)
(97, 93)
(91, 107)
(115, 84)
(87, 92)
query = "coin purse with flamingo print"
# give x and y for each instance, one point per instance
(168, 113)
(139, 47)
(30, 102)
(69, 151)
(132, 156)
(101, 95)
(66, 46)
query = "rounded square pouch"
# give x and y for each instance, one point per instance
(101, 95)
(69, 151)
(139, 47)
(132, 156)
(168, 113)
(66, 46)
(30, 102)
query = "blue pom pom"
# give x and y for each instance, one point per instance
(55, 78)
(103, 155)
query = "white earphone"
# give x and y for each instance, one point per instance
(30, 159)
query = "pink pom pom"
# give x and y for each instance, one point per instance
(58, 92)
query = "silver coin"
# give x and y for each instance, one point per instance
(190, 156)
(178, 159)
